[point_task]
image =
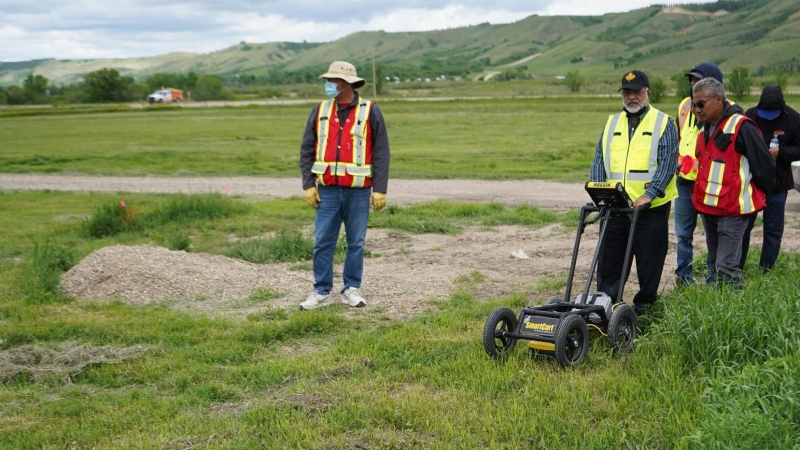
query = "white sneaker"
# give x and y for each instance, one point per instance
(316, 300)
(352, 296)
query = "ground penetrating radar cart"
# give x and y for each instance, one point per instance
(560, 328)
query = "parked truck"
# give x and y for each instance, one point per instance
(165, 95)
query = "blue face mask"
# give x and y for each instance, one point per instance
(330, 89)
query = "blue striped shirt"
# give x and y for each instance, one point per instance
(667, 158)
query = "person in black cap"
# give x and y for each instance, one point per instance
(638, 148)
(685, 214)
(779, 124)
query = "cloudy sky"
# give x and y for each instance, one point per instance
(89, 29)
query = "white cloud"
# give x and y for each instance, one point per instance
(132, 28)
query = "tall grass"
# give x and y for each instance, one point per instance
(285, 246)
(744, 347)
(48, 263)
(117, 217)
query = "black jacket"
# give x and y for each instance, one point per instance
(787, 127)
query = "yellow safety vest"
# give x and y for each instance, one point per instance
(633, 161)
(687, 125)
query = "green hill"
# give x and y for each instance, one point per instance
(660, 39)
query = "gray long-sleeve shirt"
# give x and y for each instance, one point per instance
(380, 147)
(667, 158)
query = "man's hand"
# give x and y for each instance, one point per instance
(643, 200)
(378, 201)
(312, 197)
(773, 151)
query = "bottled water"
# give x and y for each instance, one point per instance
(774, 141)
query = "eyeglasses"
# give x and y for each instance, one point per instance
(700, 105)
(629, 92)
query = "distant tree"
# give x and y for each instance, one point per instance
(740, 82)
(189, 80)
(15, 95)
(574, 81)
(209, 87)
(683, 88)
(35, 84)
(782, 79)
(659, 89)
(157, 81)
(106, 85)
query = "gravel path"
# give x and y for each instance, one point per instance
(403, 192)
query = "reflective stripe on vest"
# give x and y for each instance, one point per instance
(357, 168)
(714, 188)
(746, 193)
(746, 190)
(683, 112)
(323, 123)
(633, 159)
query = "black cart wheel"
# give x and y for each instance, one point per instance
(622, 328)
(497, 345)
(572, 341)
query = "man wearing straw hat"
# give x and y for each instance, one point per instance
(344, 163)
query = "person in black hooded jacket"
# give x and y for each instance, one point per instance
(777, 120)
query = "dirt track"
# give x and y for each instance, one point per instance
(410, 271)
(403, 192)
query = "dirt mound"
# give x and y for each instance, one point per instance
(409, 271)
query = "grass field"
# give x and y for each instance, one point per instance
(481, 139)
(713, 369)
(547, 138)
(497, 139)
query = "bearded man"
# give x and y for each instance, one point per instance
(638, 148)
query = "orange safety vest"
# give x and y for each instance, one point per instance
(688, 132)
(724, 185)
(344, 150)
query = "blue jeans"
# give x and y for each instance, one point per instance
(340, 205)
(773, 232)
(685, 224)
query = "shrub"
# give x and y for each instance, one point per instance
(110, 219)
(574, 81)
(740, 82)
(659, 89)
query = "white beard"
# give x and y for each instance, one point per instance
(633, 109)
